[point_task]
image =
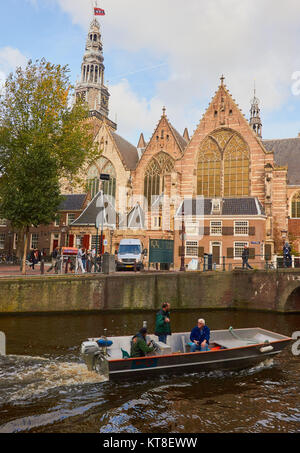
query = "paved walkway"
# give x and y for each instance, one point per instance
(7, 270)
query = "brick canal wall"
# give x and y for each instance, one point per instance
(259, 290)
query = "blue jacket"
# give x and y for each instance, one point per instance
(200, 335)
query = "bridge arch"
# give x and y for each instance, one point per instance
(289, 300)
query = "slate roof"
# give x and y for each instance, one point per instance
(73, 202)
(180, 139)
(128, 152)
(229, 206)
(286, 153)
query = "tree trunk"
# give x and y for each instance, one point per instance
(26, 236)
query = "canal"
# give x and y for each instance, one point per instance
(50, 390)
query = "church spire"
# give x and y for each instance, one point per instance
(91, 87)
(255, 121)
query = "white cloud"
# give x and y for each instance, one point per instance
(133, 114)
(200, 41)
(10, 58)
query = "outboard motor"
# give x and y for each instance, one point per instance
(94, 354)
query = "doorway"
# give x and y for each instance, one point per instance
(216, 252)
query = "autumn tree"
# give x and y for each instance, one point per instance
(43, 139)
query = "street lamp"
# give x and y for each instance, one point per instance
(103, 177)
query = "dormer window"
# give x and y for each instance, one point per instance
(216, 206)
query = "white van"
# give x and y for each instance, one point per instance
(130, 255)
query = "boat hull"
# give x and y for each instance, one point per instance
(223, 359)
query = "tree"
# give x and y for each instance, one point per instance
(42, 140)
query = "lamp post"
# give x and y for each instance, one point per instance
(103, 177)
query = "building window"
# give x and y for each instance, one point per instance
(238, 249)
(156, 222)
(209, 170)
(236, 168)
(34, 241)
(70, 218)
(95, 241)
(104, 166)
(2, 241)
(3, 223)
(223, 165)
(241, 228)
(57, 220)
(15, 241)
(191, 229)
(79, 241)
(296, 206)
(191, 249)
(216, 228)
(154, 182)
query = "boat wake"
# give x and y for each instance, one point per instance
(24, 377)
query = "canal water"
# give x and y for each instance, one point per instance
(44, 387)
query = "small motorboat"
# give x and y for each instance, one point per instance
(228, 349)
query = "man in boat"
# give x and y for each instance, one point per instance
(139, 346)
(200, 337)
(162, 323)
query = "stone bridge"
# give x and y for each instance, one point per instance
(252, 290)
(272, 290)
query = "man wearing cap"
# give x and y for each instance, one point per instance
(200, 337)
(139, 347)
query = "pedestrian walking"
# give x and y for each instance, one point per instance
(53, 259)
(245, 257)
(287, 258)
(79, 263)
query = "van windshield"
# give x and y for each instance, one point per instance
(133, 249)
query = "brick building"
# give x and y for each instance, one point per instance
(248, 187)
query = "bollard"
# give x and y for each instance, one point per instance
(42, 267)
(2, 344)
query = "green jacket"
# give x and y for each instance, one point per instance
(162, 327)
(139, 347)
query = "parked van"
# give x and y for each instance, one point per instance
(130, 255)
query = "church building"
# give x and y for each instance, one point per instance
(213, 192)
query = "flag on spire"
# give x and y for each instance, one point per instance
(99, 12)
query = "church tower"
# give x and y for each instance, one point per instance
(91, 87)
(255, 121)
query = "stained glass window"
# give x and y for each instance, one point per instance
(223, 165)
(296, 206)
(102, 165)
(154, 183)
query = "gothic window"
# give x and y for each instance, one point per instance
(223, 166)
(154, 183)
(209, 170)
(296, 206)
(103, 166)
(236, 168)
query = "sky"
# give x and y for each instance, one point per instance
(169, 53)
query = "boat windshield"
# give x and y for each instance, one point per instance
(130, 249)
